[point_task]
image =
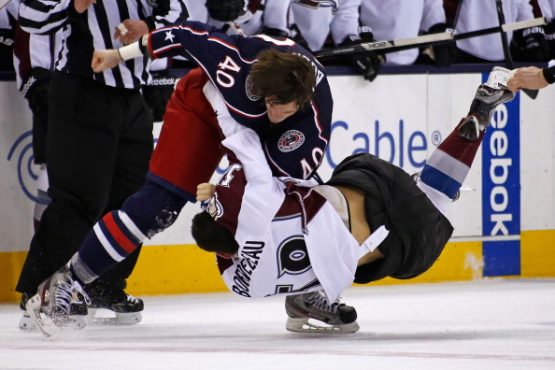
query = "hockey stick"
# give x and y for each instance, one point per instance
(505, 42)
(425, 40)
(3, 3)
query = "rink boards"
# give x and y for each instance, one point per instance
(504, 221)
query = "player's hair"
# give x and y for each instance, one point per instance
(211, 236)
(285, 76)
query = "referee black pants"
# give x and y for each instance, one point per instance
(99, 142)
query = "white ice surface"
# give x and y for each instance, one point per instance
(484, 325)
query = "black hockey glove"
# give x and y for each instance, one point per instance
(550, 37)
(444, 54)
(6, 50)
(6, 37)
(530, 45)
(158, 92)
(225, 10)
(368, 63)
(37, 90)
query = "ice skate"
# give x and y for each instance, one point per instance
(335, 318)
(77, 314)
(50, 309)
(488, 96)
(113, 307)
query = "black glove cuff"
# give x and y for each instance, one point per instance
(225, 10)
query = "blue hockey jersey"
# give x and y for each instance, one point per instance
(294, 147)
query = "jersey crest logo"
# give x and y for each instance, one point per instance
(251, 94)
(290, 140)
(215, 208)
(293, 256)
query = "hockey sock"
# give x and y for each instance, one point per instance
(144, 214)
(448, 166)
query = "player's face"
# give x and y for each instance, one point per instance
(278, 112)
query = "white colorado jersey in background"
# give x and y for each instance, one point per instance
(399, 19)
(479, 14)
(316, 20)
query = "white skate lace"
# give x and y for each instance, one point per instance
(65, 292)
(320, 302)
(132, 299)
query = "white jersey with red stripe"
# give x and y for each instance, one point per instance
(290, 238)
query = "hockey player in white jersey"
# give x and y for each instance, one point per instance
(371, 220)
(398, 19)
(313, 22)
(478, 14)
(247, 17)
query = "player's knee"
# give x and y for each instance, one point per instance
(153, 208)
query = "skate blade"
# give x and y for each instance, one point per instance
(45, 323)
(41, 321)
(105, 317)
(26, 323)
(305, 325)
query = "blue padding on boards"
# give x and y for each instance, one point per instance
(501, 258)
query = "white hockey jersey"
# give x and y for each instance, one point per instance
(315, 20)
(479, 14)
(291, 239)
(399, 19)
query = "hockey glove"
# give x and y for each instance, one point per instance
(157, 93)
(444, 54)
(530, 45)
(225, 10)
(369, 63)
(36, 90)
(6, 50)
(550, 37)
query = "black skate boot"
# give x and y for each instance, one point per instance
(50, 309)
(338, 317)
(125, 309)
(488, 96)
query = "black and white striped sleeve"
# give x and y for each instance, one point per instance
(44, 16)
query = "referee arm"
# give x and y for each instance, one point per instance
(532, 78)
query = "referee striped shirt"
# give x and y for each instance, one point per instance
(94, 30)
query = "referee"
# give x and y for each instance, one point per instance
(99, 137)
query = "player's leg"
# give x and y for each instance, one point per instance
(187, 154)
(81, 160)
(134, 151)
(448, 166)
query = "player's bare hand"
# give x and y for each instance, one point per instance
(205, 191)
(130, 30)
(105, 59)
(527, 78)
(82, 5)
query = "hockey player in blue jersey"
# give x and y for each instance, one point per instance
(271, 86)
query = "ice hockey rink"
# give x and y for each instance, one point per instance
(486, 325)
